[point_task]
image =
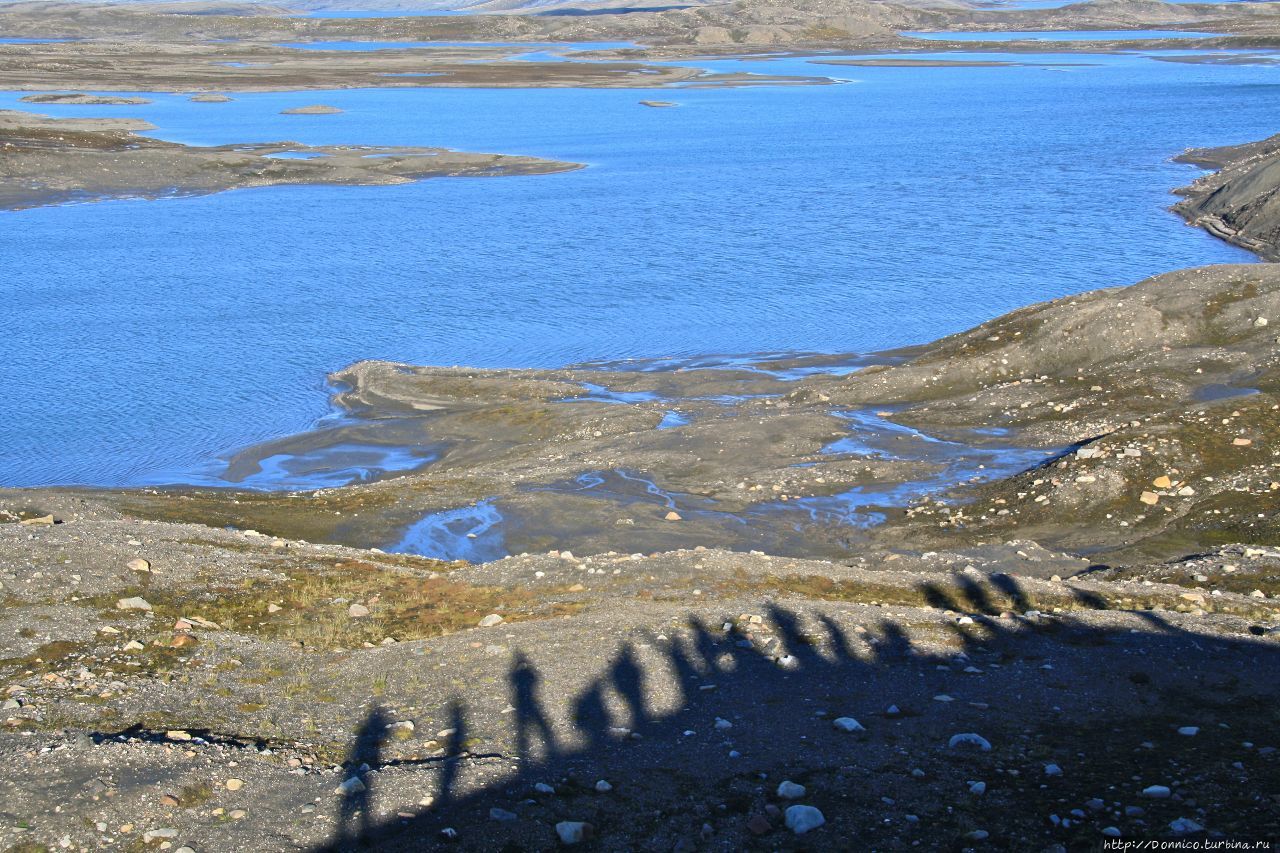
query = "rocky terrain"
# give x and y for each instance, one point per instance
(51, 161)
(1240, 201)
(194, 47)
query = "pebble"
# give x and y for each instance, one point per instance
(969, 739)
(1189, 731)
(977, 788)
(801, 819)
(134, 603)
(572, 831)
(357, 611)
(491, 620)
(672, 516)
(544, 788)
(847, 724)
(723, 724)
(496, 813)
(1184, 826)
(789, 790)
(235, 784)
(978, 835)
(1157, 792)
(603, 787)
(1052, 770)
(139, 565)
(159, 834)
(351, 786)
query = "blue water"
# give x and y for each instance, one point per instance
(4, 40)
(143, 339)
(1063, 35)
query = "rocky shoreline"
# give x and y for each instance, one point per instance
(56, 161)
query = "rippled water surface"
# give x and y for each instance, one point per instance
(142, 340)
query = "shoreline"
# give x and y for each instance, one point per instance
(51, 161)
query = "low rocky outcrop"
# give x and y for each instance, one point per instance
(1240, 201)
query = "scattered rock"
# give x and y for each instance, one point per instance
(573, 831)
(134, 603)
(801, 819)
(489, 621)
(789, 790)
(969, 739)
(847, 724)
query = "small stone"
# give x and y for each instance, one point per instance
(1157, 792)
(1242, 442)
(1052, 770)
(1111, 832)
(1189, 731)
(722, 724)
(672, 516)
(1185, 826)
(978, 835)
(168, 800)
(274, 608)
(1149, 498)
(498, 814)
(138, 565)
(134, 603)
(789, 790)
(490, 620)
(759, 825)
(801, 819)
(847, 724)
(40, 521)
(573, 831)
(978, 788)
(544, 788)
(237, 814)
(354, 785)
(1162, 482)
(133, 646)
(178, 734)
(603, 787)
(235, 784)
(159, 834)
(357, 611)
(969, 739)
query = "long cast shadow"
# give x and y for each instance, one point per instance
(736, 677)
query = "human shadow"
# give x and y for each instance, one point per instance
(355, 803)
(717, 705)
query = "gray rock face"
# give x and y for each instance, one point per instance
(1240, 203)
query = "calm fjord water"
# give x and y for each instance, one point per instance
(141, 340)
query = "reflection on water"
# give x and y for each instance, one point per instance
(326, 467)
(472, 533)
